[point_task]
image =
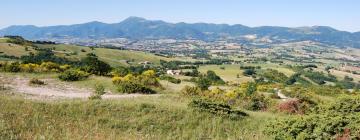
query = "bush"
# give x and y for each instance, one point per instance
(215, 79)
(120, 71)
(191, 91)
(203, 83)
(249, 72)
(36, 81)
(316, 126)
(132, 87)
(98, 92)
(257, 102)
(221, 109)
(73, 75)
(319, 77)
(137, 84)
(93, 65)
(335, 120)
(274, 76)
(12, 67)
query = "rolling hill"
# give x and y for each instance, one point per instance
(140, 28)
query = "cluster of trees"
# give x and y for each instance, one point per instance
(45, 55)
(249, 70)
(18, 40)
(274, 76)
(91, 64)
(174, 65)
(319, 77)
(210, 78)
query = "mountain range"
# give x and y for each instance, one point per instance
(140, 28)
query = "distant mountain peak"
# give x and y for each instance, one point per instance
(134, 18)
(140, 28)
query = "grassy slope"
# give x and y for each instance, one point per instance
(230, 71)
(13, 49)
(138, 118)
(228, 74)
(112, 56)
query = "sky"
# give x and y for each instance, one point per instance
(340, 14)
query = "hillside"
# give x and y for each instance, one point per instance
(140, 28)
(112, 56)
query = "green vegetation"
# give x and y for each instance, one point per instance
(223, 97)
(139, 118)
(73, 75)
(216, 108)
(336, 120)
(98, 92)
(137, 83)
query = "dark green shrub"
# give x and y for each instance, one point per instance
(203, 83)
(120, 71)
(133, 87)
(73, 75)
(91, 64)
(315, 126)
(274, 76)
(334, 120)
(215, 79)
(319, 77)
(36, 81)
(217, 108)
(249, 72)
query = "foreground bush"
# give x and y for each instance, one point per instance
(336, 120)
(221, 109)
(316, 126)
(73, 75)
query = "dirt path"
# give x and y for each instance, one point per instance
(55, 90)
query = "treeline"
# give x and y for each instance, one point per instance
(174, 65)
(21, 41)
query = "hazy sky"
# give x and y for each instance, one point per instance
(340, 14)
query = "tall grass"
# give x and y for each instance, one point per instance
(139, 118)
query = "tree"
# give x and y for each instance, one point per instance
(121, 71)
(215, 79)
(249, 72)
(251, 88)
(203, 83)
(93, 65)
